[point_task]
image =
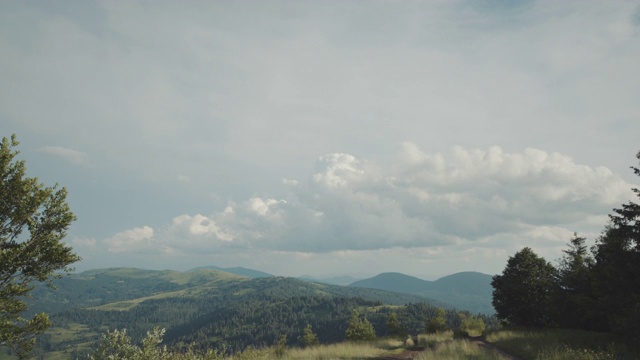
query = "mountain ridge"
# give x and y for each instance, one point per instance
(468, 290)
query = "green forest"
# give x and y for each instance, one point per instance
(209, 309)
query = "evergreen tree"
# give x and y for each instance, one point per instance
(438, 323)
(395, 328)
(617, 271)
(573, 298)
(360, 329)
(522, 294)
(309, 338)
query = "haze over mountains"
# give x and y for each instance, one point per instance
(465, 290)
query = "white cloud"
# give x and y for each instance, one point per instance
(473, 199)
(198, 225)
(132, 240)
(73, 156)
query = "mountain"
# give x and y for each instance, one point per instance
(210, 307)
(238, 271)
(470, 291)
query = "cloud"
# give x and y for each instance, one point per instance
(474, 198)
(137, 239)
(198, 226)
(239, 99)
(73, 156)
(285, 84)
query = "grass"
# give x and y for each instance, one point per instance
(443, 346)
(344, 351)
(459, 350)
(438, 346)
(560, 344)
(526, 344)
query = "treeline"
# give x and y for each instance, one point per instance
(592, 289)
(256, 321)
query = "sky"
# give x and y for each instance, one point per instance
(325, 138)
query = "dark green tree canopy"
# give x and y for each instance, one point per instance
(33, 222)
(522, 294)
(616, 271)
(438, 323)
(395, 329)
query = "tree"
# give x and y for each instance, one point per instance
(395, 328)
(33, 221)
(573, 297)
(117, 345)
(360, 329)
(309, 338)
(522, 294)
(616, 271)
(438, 323)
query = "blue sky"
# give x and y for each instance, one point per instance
(323, 138)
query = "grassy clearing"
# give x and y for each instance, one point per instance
(341, 351)
(345, 350)
(71, 332)
(444, 346)
(560, 344)
(459, 350)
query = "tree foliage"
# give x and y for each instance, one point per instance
(573, 295)
(359, 329)
(117, 345)
(522, 294)
(33, 222)
(616, 271)
(395, 329)
(597, 291)
(309, 338)
(438, 323)
(471, 325)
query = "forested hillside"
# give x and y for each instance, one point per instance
(215, 309)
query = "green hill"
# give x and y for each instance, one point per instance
(470, 291)
(210, 307)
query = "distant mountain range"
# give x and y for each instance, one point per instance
(470, 291)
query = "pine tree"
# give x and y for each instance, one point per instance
(617, 271)
(573, 297)
(395, 328)
(309, 338)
